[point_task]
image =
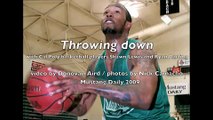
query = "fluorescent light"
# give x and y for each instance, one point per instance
(132, 7)
(166, 19)
(188, 2)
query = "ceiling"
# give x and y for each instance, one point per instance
(47, 22)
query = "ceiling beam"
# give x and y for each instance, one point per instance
(43, 1)
(26, 42)
(46, 29)
(185, 3)
(32, 23)
(85, 12)
(160, 28)
(68, 12)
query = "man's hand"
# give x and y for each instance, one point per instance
(71, 86)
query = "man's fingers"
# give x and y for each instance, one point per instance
(66, 95)
(56, 91)
(60, 90)
(62, 100)
(58, 82)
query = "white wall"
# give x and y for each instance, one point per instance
(172, 42)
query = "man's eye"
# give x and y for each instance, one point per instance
(117, 11)
(105, 12)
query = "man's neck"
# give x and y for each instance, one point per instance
(119, 40)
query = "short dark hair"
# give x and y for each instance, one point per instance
(128, 16)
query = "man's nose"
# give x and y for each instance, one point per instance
(109, 14)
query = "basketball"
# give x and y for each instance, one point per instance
(38, 95)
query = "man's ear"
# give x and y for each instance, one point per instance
(128, 25)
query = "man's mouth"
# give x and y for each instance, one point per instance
(108, 21)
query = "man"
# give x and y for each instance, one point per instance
(146, 99)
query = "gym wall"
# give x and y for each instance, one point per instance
(173, 42)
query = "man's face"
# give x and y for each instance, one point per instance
(113, 20)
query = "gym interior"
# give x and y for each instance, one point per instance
(47, 23)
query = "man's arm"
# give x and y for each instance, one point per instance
(83, 104)
(84, 101)
(138, 95)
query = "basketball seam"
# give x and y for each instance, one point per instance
(50, 105)
(53, 102)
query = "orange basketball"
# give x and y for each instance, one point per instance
(38, 95)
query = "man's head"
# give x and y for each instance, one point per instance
(116, 19)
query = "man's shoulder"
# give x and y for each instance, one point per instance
(140, 45)
(139, 55)
(132, 40)
(137, 51)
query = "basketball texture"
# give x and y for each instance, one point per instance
(38, 94)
